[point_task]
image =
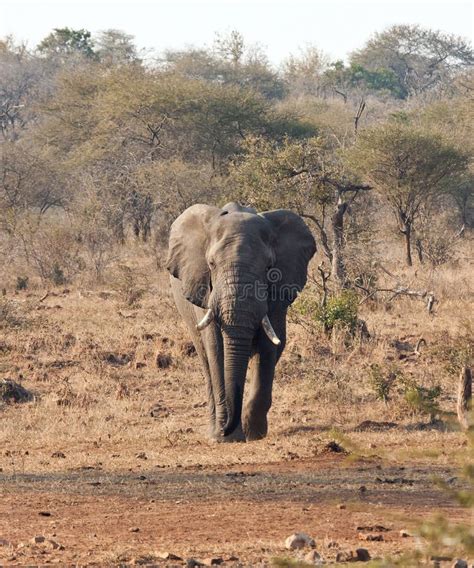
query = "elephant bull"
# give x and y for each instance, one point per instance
(234, 273)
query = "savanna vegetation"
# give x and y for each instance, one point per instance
(102, 145)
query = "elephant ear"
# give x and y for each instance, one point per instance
(187, 252)
(294, 248)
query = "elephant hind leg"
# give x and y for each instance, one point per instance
(188, 314)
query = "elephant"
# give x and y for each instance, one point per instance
(234, 274)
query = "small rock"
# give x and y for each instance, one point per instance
(141, 456)
(168, 556)
(140, 364)
(4, 542)
(314, 558)
(404, 533)
(38, 539)
(363, 555)
(214, 561)
(54, 545)
(459, 563)
(58, 455)
(44, 514)
(192, 563)
(341, 506)
(373, 528)
(371, 537)
(345, 556)
(134, 530)
(333, 544)
(299, 540)
(362, 489)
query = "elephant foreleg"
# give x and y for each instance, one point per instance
(261, 374)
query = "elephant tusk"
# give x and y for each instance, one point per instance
(206, 320)
(268, 329)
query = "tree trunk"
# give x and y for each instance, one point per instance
(464, 397)
(338, 266)
(407, 234)
(419, 250)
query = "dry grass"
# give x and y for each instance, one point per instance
(88, 354)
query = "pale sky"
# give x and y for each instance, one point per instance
(281, 27)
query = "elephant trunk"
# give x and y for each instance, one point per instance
(236, 357)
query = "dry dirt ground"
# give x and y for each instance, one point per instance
(241, 515)
(111, 461)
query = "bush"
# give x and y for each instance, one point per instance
(382, 381)
(340, 311)
(21, 283)
(130, 286)
(422, 400)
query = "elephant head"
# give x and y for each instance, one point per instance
(238, 265)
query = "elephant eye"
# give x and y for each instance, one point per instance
(212, 264)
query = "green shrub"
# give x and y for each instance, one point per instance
(340, 311)
(421, 399)
(382, 381)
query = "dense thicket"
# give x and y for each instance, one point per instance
(100, 143)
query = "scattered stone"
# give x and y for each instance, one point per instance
(459, 563)
(163, 360)
(38, 539)
(4, 542)
(134, 529)
(58, 455)
(214, 561)
(299, 540)
(13, 392)
(345, 556)
(371, 537)
(141, 456)
(54, 545)
(144, 560)
(140, 364)
(363, 555)
(341, 506)
(404, 533)
(314, 558)
(192, 563)
(332, 544)
(373, 528)
(44, 514)
(168, 556)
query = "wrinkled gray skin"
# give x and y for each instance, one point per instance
(220, 259)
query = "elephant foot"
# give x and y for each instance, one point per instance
(236, 436)
(256, 429)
